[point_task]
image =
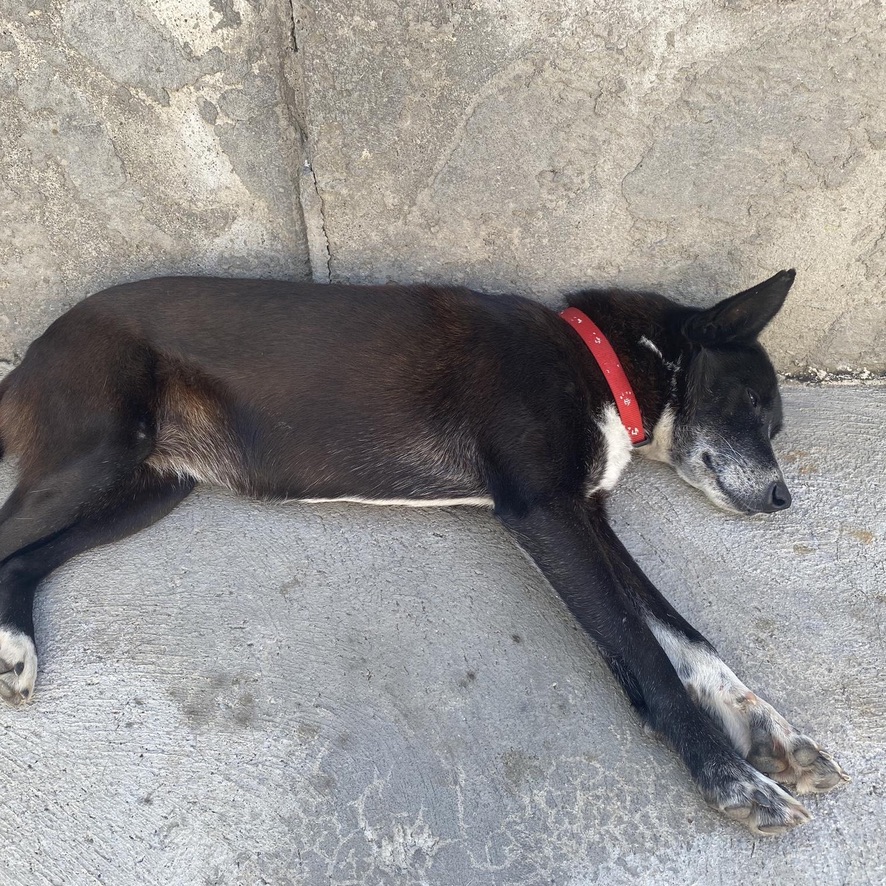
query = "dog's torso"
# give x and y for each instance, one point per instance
(410, 395)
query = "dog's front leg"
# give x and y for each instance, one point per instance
(563, 539)
(756, 729)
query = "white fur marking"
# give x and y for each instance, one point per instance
(651, 345)
(618, 449)
(715, 687)
(475, 501)
(647, 343)
(662, 438)
(17, 648)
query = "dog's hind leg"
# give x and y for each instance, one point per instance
(756, 729)
(562, 538)
(43, 526)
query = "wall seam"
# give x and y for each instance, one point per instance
(310, 198)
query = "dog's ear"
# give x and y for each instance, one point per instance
(742, 317)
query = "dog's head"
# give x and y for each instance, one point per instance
(728, 406)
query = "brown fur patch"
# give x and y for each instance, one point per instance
(18, 425)
(193, 438)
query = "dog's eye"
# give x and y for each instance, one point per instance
(752, 396)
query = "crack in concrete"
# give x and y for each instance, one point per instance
(293, 36)
(315, 224)
(311, 201)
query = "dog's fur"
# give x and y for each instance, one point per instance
(422, 396)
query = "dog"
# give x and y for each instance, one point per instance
(424, 396)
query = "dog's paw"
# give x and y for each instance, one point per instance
(756, 801)
(788, 756)
(18, 666)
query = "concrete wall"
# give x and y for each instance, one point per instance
(690, 146)
(686, 145)
(141, 137)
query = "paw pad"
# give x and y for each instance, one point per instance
(792, 758)
(759, 803)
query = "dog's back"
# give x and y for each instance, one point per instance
(281, 390)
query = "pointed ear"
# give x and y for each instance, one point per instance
(742, 317)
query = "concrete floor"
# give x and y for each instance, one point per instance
(252, 694)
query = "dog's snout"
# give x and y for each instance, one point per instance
(777, 497)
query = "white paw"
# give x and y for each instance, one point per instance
(18, 666)
(756, 730)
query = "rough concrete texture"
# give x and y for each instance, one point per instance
(688, 146)
(317, 695)
(142, 137)
(684, 145)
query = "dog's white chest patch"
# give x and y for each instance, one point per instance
(617, 449)
(662, 442)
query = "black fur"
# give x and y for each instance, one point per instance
(294, 391)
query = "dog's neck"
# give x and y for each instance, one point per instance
(641, 327)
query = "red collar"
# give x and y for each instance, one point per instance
(599, 346)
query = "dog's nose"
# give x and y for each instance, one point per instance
(777, 497)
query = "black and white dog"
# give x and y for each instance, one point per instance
(421, 396)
